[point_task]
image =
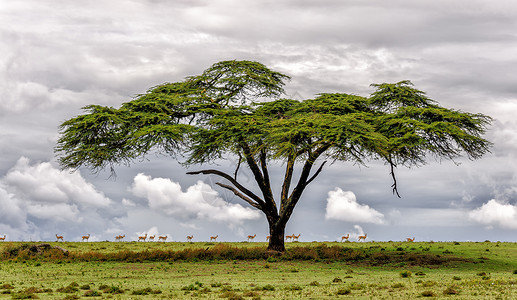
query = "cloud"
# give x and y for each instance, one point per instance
(199, 201)
(38, 197)
(494, 213)
(343, 206)
(44, 184)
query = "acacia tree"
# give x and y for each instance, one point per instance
(234, 109)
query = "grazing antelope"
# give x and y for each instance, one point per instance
(86, 237)
(410, 239)
(120, 237)
(142, 238)
(251, 237)
(362, 237)
(295, 237)
(162, 238)
(345, 237)
(214, 238)
(267, 238)
(151, 237)
(2, 238)
(288, 237)
(189, 238)
(59, 237)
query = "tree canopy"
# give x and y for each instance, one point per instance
(236, 109)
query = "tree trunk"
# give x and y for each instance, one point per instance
(276, 237)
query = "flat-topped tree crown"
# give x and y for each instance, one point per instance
(235, 108)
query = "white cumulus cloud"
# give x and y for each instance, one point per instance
(38, 195)
(494, 213)
(343, 206)
(199, 201)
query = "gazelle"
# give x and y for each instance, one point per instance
(59, 237)
(86, 237)
(410, 239)
(120, 237)
(151, 237)
(189, 238)
(162, 238)
(362, 237)
(288, 237)
(345, 237)
(267, 238)
(295, 237)
(2, 238)
(214, 238)
(251, 237)
(142, 238)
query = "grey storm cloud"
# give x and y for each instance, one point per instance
(58, 56)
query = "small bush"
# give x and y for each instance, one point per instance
(91, 293)
(337, 280)
(343, 291)
(22, 295)
(71, 288)
(85, 287)
(428, 294)
(314, 283)
(450, 291)
(405, 274)
(147, 291)
(293, 287)
(190, 287)
(429, 283)
(7, 286)
(231, 295)
(456, 278)
(113, 290)
(267, 287)
(397, 285)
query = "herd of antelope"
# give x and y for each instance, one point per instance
(163, 238)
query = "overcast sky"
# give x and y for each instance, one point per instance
(58, 56)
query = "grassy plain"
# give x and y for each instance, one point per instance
(484, 270)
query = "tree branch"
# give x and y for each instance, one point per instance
(287, 178)
(392, 173)
(238, 194)
(316, 174)
(233, 181)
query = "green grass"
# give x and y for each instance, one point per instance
(475, 271)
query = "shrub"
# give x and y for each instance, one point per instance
(428, 294)
(450, 291)
(405, 274)
(190, 287)
(343, 291)
(112, 290)
(337, 280)
(429, 283)
(397, 285)
(314, 283)
(293, 287)
(6, 286)
(91, 293)
(71, 288)
(22, 295)
(147, 291)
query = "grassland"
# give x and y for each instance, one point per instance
(384, 270)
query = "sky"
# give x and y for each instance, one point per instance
(57, 56)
